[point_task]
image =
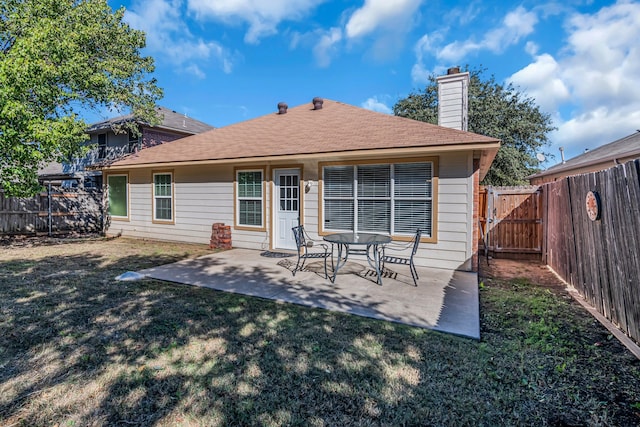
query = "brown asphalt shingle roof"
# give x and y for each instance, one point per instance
(335, 128)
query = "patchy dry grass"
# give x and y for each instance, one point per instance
(78, 348)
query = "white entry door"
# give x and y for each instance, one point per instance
(287, 206)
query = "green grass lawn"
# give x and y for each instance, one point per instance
(79, 348)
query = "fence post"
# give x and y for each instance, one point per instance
(50, 213)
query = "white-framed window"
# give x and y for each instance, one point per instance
(118, 193)
(250, 198)
(163, 196)
(390, 198)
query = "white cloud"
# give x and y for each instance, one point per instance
(374, 104)
(169, 38)
(464, 16)
(196, 71)
(591, 85)
(542, 80)
(531, 48)
(419, 73)
(326, 47)
(263, 16)
(516, 24)
(374, 14)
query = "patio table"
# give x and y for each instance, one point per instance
(357, 243)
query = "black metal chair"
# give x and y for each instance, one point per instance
(304, 244)
(403, 260)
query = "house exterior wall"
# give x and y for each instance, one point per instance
(152, 136)
(117, 146)
(204, 195)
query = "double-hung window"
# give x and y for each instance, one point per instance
(163, 197)
(118, 188)
(389, 198)
(250, 198)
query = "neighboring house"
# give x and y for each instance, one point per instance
(111, 144)
(603, 157)
(327, 165)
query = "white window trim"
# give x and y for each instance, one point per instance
(262, 200)
(155, 197)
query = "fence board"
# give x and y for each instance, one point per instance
(599, 258)
(71, 210)
(560, 239)
(631, 286)
(513, 219)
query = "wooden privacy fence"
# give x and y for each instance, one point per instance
(599, 257)
(511, 221)
(55, 210)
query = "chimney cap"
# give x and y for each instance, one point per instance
(453, 70)
(317, 103)
(282, 107)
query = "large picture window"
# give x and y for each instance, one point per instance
(117, 187)
(383, 198)
(249, 198)
(162, 197)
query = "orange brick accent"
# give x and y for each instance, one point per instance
(476, 218)
(220, 236)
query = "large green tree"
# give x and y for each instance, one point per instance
(59, 58)
(497, 111)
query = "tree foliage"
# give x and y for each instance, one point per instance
(497, 111)
(57, 59)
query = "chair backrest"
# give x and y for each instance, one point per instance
(416, 242)
(298, 234)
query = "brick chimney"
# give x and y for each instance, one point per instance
(453, 99)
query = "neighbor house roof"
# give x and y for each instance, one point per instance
(170, 120)
(603, 157)
(53, 172)
(335, 129)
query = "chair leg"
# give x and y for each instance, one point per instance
(298, 264)
(414, 273)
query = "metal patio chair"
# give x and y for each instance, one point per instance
(403, 260)
(306, 246)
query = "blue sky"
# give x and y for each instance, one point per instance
(225, 61)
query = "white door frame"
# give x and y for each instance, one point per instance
(286, 213)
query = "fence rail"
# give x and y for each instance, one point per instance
(55, 210)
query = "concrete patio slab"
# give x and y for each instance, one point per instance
(444, 300)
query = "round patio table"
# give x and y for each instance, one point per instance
(357, 243)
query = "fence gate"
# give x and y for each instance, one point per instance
(512, 223)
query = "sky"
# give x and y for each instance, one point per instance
(226, 61)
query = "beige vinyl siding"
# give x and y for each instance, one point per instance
(311, 215)
(204, 195)
(455, 209)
